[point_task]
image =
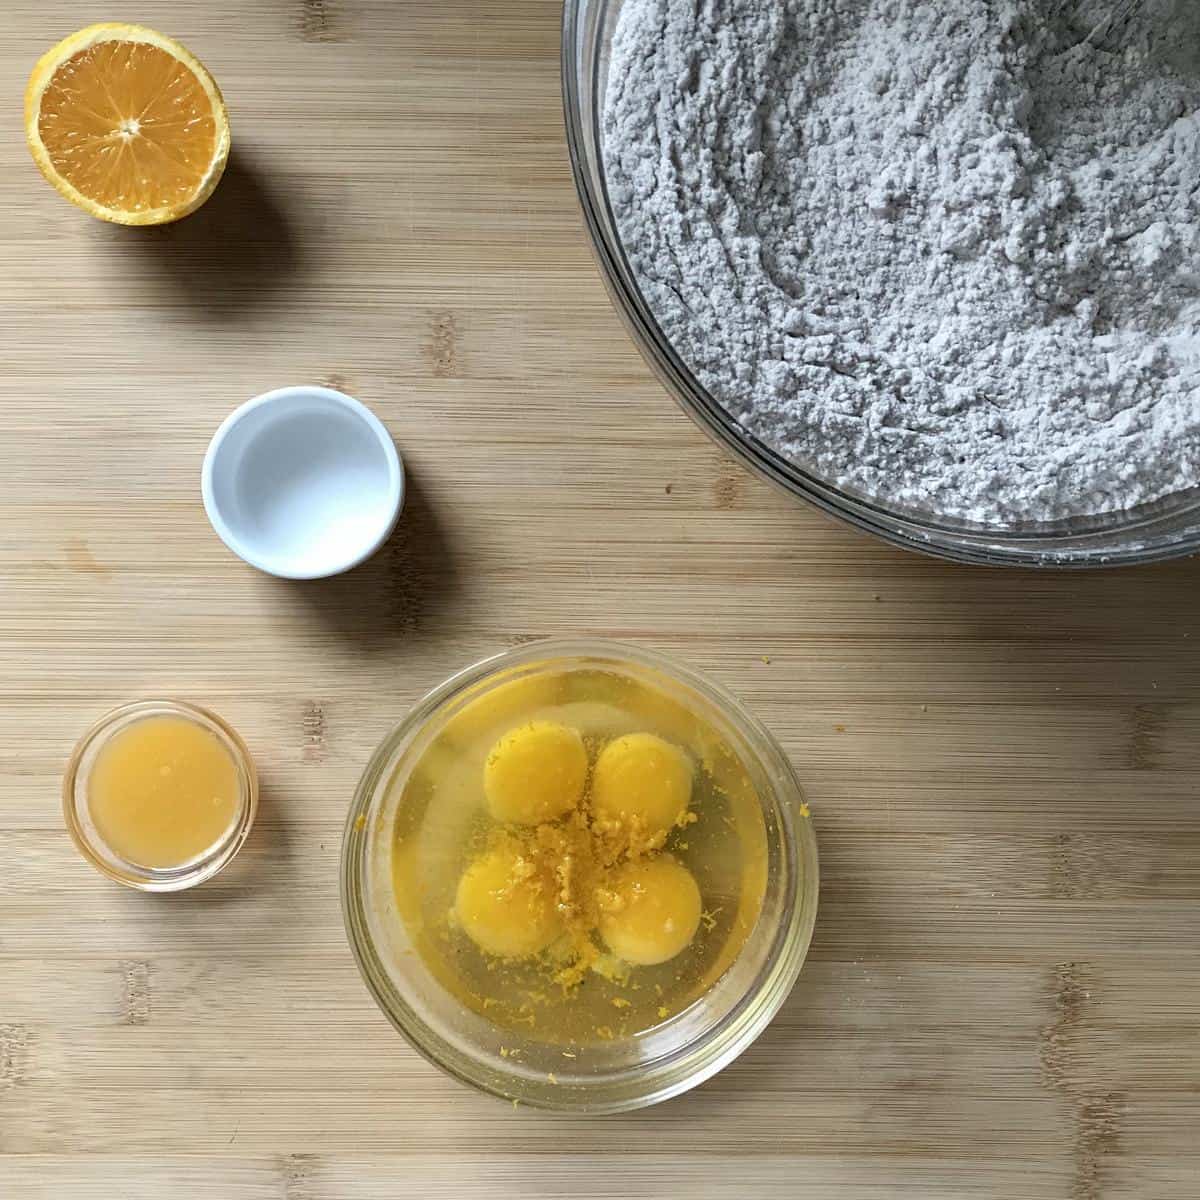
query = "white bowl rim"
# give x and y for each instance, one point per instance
(396, 488)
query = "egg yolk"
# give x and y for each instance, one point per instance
(642, 776)
(535, 773)
(650, 911)
(503, 908)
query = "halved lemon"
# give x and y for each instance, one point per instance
(127, 124)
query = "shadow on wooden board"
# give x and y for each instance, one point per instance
(396, 591)
(1107, 610)
(237, 250)
(264, 866)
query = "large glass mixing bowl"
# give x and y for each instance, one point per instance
(1166, 529)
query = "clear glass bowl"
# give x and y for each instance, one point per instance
(108, 861)
(606, 1076)
(1167, 529)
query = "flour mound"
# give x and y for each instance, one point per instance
(940, 252)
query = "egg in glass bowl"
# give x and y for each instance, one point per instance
(579, 876)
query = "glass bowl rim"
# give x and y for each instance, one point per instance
(724, 1041)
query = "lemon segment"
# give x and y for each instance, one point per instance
(127, 124)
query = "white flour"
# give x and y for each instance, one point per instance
(934, 250)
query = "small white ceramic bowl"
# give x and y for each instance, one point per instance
(303, 482)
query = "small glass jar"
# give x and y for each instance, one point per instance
(84, 830)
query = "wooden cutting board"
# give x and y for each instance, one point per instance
(1003, 995)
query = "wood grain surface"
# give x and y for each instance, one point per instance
(1003, 995)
